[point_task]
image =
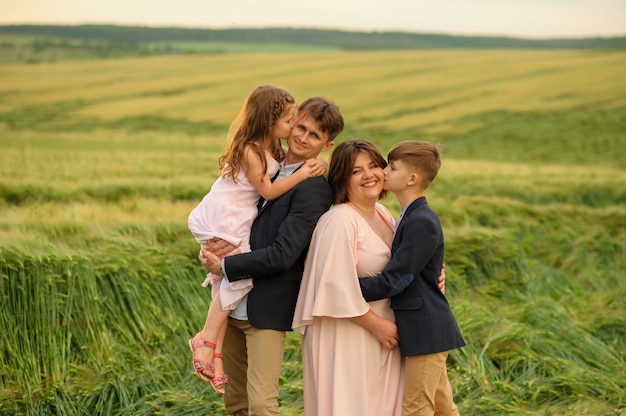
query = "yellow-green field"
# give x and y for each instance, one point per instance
(391, 90)
(102, 160)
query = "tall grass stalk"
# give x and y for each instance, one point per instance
(99, 278)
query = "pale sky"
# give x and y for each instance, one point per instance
(519, 18)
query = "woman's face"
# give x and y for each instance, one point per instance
(366, 181)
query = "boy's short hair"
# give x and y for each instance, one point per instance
(422, 156)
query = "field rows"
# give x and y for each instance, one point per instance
(101, 161)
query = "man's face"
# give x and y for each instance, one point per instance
(306, 140)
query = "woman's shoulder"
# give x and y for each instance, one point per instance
(339, 219)
(345, 211)
(340, 213)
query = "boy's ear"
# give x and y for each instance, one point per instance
(413, 179)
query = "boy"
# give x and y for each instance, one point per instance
(426, 326)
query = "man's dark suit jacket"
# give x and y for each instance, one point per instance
(279, 240)
(425, 322)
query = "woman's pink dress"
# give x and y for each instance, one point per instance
(227, 212)
(347, 372)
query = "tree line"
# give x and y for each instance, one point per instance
(345, 40)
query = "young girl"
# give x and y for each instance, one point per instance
(247, 166)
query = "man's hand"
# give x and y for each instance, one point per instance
(441, 283)
(219, 247)
(212, 253)
(210, 261)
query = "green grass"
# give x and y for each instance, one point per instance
(102, 161)
(234, 47)
(32, 49)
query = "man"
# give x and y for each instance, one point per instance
(254, 342)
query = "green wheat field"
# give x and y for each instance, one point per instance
(101, 161)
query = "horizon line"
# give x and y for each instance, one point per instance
(348, 30)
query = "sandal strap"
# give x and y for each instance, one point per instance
(209, 344)
(220, 379)
(198, 342)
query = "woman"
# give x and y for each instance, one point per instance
(350, 365)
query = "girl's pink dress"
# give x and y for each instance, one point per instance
(227, 212)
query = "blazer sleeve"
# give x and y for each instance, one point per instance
(307, 202)
(417, 240)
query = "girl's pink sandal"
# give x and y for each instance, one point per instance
(219, 381)
(200, 365)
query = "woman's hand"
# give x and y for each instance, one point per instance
(387, 334)
(385, 331)
(441, 283)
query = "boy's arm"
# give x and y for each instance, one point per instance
(418, 242)
(384, 285)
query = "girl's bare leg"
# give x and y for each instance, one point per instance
(213, 331)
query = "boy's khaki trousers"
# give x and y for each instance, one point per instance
(427, 388)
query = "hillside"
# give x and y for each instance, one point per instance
(49, 42)
(329, 38)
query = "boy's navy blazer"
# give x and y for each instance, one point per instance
(279, 240)
(425, 322)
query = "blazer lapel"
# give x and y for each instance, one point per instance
(412, 207)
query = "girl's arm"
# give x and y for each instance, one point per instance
(261, 181)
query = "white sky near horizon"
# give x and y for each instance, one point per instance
(517, 18)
